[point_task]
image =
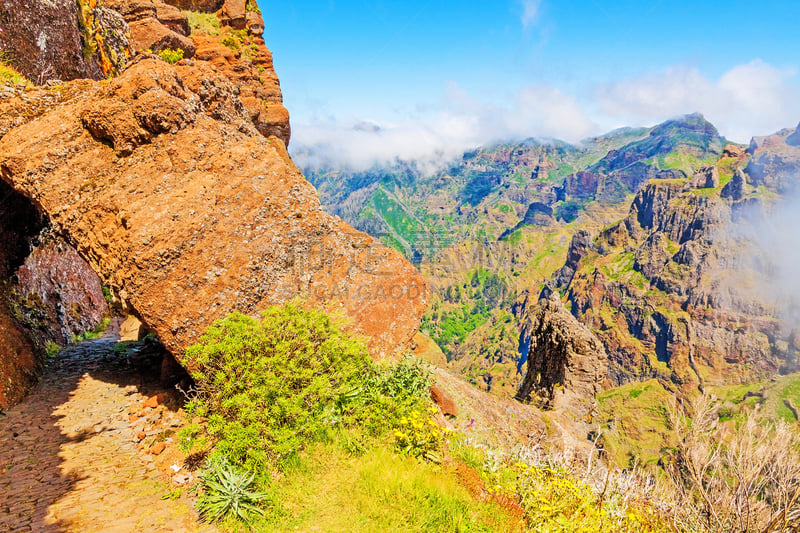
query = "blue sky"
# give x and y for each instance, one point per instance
(434, 77)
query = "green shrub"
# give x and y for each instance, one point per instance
(270, 386)
(171, 56)
(273, 386)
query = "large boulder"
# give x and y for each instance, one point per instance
(163, 184)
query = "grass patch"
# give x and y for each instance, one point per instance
(333, 491)
(203, 23)
(785, 388)
(9, 75)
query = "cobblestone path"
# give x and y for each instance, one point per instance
(70, 458)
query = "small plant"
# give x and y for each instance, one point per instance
(52, 349)
(191, 438)
(231, 43)
(171, 56)
(228, 493)
(419, 436)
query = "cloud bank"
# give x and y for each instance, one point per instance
(749, 99)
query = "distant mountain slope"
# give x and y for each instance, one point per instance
(680, 289)
(493, 229)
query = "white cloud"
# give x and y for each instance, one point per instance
(750, 99)
(459, 123)
(530, 12)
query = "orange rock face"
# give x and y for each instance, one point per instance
(162, 182)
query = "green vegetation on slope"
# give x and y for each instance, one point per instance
(635, 423)
(303, 431)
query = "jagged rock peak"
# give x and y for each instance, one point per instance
(566, 363)
(580, 245)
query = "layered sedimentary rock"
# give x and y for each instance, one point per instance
(566, 363)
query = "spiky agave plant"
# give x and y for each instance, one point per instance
(227, 493)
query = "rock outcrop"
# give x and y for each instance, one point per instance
(794, 138)
(774, 162)
(580, 245)
(19, 360)
(187, 212)
(705, 178)
(155, 26)
(566, 363)
(63, 39)
(56, 284)
(173, 183)
(736, 188)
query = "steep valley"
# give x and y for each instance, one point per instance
(651, 237)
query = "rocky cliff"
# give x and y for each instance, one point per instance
(174, 184)
(566, 363)
(674, 290)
